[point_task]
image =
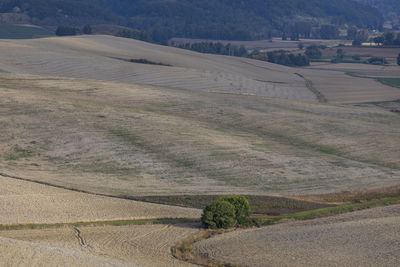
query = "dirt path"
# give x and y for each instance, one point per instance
(364, 238)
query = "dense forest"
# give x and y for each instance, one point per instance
(219, 19)
(385, 6)
(389, 8)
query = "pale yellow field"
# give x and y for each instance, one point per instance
(363, 238)
(99, 57)
(141, 245)
(75, 114)
(25, 202)
(125, 139)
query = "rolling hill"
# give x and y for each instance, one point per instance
(77, 113)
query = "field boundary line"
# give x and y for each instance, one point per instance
(75, 225)
(310, 86)
(131, 198)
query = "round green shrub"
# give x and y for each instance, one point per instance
(241, 205)
(219, 214)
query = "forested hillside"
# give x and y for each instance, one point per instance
(389, 8)
(220, 19)
(385, 6)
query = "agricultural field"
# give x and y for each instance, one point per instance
(31, 203)
(272, 44)
(141, 245)
(105, 58)
(131, 140)
(363, 238)
(110, 147)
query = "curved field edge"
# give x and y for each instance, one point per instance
(185, 252)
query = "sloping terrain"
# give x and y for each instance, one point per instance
(126, 139)
(76, 114)
(20, 253)
(25, 202)
(141, 245)
(105, 58)
(363, 238)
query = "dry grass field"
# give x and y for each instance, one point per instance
(99, 57)
(103, 58)
(363, 238)
(26, 202)
(141, 245)
(75, 114)
(125, 139)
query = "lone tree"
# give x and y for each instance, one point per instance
(226, 212)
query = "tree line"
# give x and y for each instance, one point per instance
(70, 31)
(278, 57)
(218, 20)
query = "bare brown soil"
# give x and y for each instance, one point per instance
(362, 238)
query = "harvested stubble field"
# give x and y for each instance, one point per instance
(362, 238)
(99, 57)
(125, 139)
(140, 245)
(31, 203)
(72, 114)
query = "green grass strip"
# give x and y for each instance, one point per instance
(328, 211)
(98, 223)
(394, 82)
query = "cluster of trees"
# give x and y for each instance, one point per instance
(227, 212)
(278, 57)
(215, 48)
(56, 12)
(69, 31)
(297, 30)
(219, 19)
(314, 51)
(377, 61)
(133, 34)
(358, 36)
(388, 39)
(389, 8)
(303, 29)
(283, 58)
